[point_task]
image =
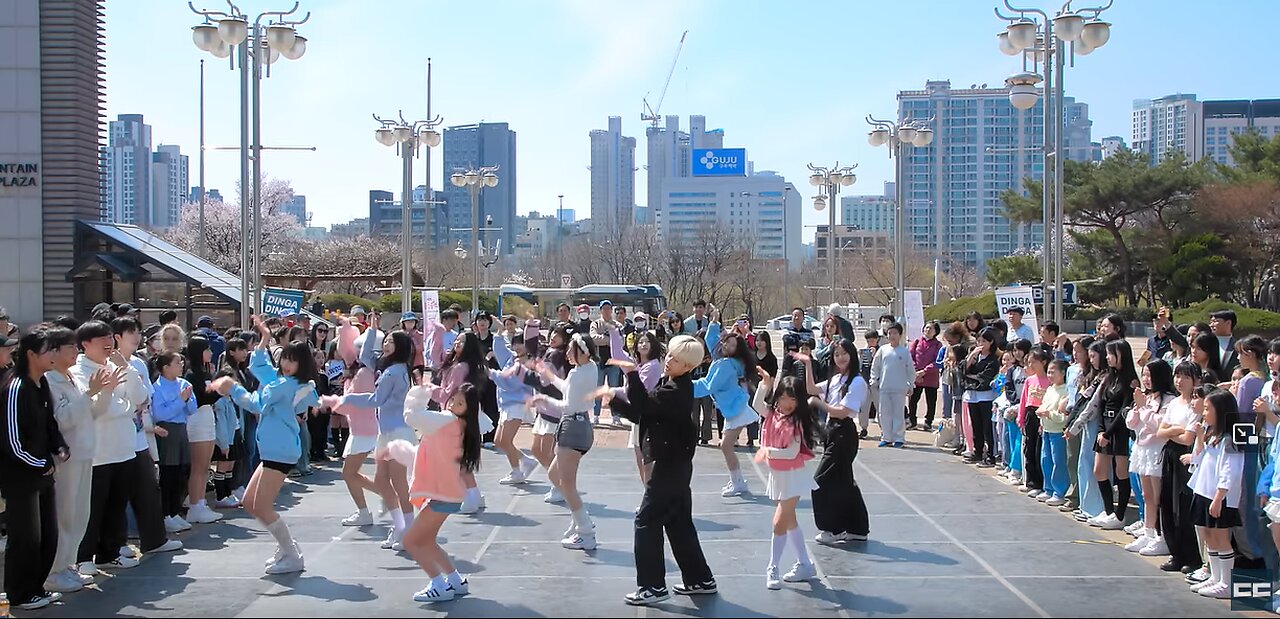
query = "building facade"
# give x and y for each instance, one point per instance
(762, 208)
(982, 147)
(170, 185)
(851, 242)
(296, 208)
(873, 213)
(386, 215)
(474, 146)
(126, 171)
(613, 174)
(1111, 145)
(1223, 120)
(670, 153)
(1167, 124)
(50, 163)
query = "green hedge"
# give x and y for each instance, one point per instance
(1261, 322)
(344, 302)
(1129, 314)
(957, 309)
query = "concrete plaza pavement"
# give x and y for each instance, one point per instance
(946, 540)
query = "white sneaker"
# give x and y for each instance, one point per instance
(733, 489)
(288, 564)
(182, 523)
(1139, 543)
(1024, 488)
(276, 557)
(129, 551)
(1096, 521)
(1043, 496)
(1111, 523)
(1156, 548)
(200, 513)
(169, 546)
(391, 540)
(1205, 584)
(801, 572)
(1198, 576)
(65, 581)
(431, 595)
(580, 541)
(1134, 528)
(514, 477)
(85, 579)
(829, 539)
(771, 580)
(487, 445)
(87, 568)
(239, 493)
(119, 563)
(470, 506)
(1220, 591)
(171, 525)
(461, 589)
(362, 518)
(231, 502)
(1033, 492)
(527, 466)
(553, 496)
(1055, 501)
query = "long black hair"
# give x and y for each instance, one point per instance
(1086, 375)
(299, 351)
(656, 349)
(403, 353)
(472, 355)
(36, 342)
(1123, 376)
(855, 364)
(791, 386)
(1226, 414)
(470, 461)
(197, 369)
(1208, 342)
(743, 353)
(1257, 346)
(1161, 378)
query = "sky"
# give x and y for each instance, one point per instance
(789, 81)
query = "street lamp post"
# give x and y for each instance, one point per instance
(829, 181)
(1050, 41)
(897, 137)
(408, 136)
(474, 180)
(257, 44)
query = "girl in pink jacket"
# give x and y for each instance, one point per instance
(448, 452)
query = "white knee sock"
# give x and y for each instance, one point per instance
(1226, 561)
(280, 531)
(776, 547)
(797, 542)
(1215, 571)
(408, 519)
(582, 520)
(397, 520)
(736, 477)
(439, 582)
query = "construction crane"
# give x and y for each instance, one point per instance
(651, 113)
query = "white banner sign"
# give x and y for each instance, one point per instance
(1018, 296)
(430, 315)
(913, 307)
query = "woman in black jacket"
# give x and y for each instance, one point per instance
(979, 370)
(29, 449)
(1111, 450)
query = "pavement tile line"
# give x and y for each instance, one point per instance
(954, 540)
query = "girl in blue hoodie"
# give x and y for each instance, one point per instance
(733, 361)
(282, 396)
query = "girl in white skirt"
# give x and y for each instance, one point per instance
(787, 436)
(1150, 401)
(512, 392)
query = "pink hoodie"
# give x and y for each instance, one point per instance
(364, 421)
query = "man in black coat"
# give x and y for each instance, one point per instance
(668, 438)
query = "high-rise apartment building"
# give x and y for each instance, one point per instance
(1170, 123)
(214, 195)
(169, 185)
(473, 146)
(296, 208)
(126, 171)
(982, 146)
(613, 175)
(763, 209)
(386, 215)
(1111, 145)
(669, 153)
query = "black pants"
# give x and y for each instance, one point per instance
(173, 487)
(1033, 475)
(489, 406)
(668, 506)
(1175, 507)
(112, 485)
(753, 432)
(144, 500)
(930, 402)
(838, 506)
(319, 427)
(984, 441)
(32, 542)
(704, 411)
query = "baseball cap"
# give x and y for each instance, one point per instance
(408, 316)
(1015, 308)
(606, 302)
(205, 321)
(357, 310)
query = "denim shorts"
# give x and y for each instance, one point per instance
(444, 507)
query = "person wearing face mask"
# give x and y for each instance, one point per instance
(583, 325)
(886, 321)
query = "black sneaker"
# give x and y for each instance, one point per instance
(1171, 565)
(37, 602)
(701, 588)
(645, 596)
(863, 433)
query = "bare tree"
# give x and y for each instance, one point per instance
(223, 239)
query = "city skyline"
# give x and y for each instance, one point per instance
(556, 92)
